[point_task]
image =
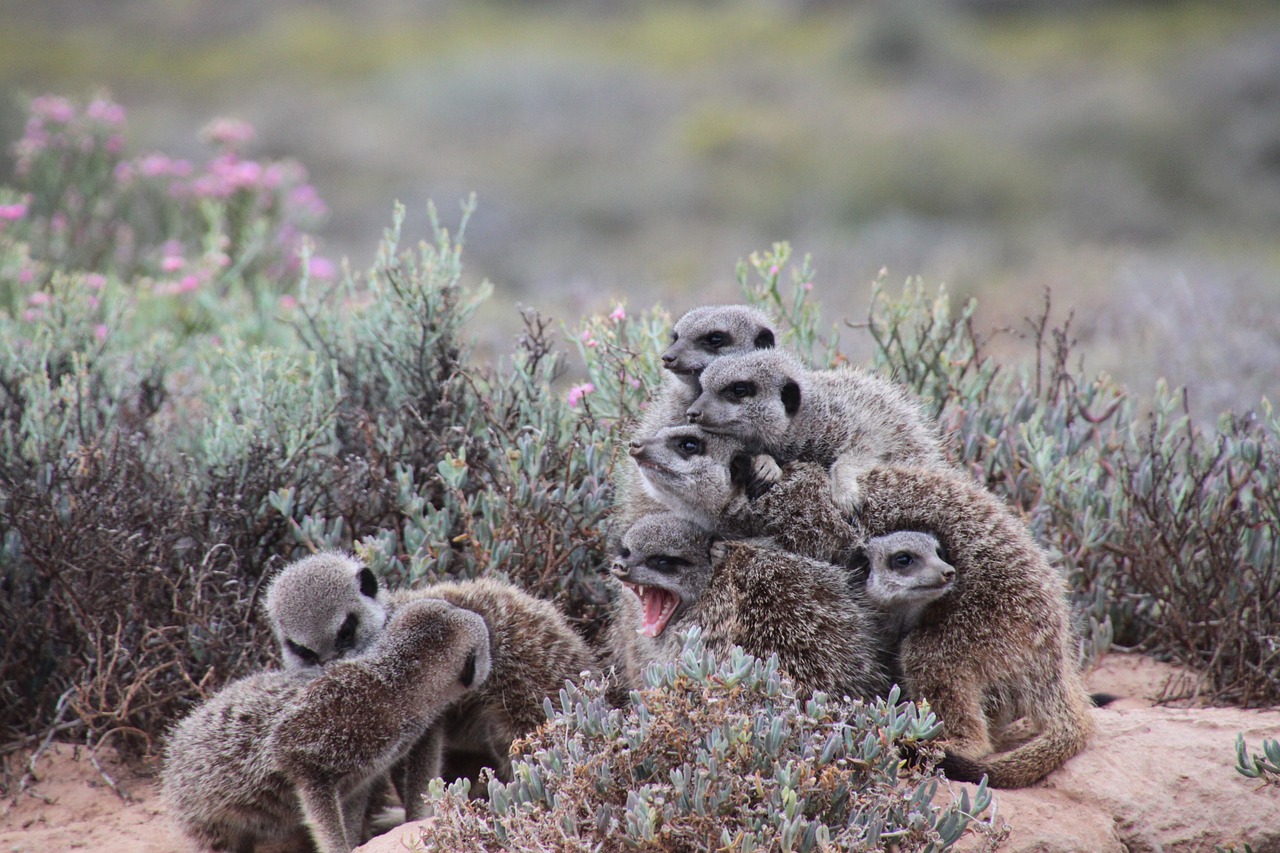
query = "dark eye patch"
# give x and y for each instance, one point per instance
(468, 674)
(624, 552)
(666, 563)
(901, 560)
(687, 447)
(303, 653)
(716, 340)
(740, 390)
(346, 638)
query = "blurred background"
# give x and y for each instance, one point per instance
(1125, 156)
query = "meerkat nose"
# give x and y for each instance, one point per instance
(637, 447)
(668, 359)
(693, 416)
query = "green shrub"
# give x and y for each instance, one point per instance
(714, 754)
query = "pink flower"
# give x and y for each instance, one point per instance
(100, 332)
(172, 263)
(188, 283)
(288, 302)
(589, 340)
(230, 132)
(105, 111)
(305, 201)
(773, 270)
(32, 314)
(95, 281)
(577, 392)
(12, 212)
(322, 268)
(619, 314)
(53, 108)
(39, 298)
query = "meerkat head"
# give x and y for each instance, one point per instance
(692, 472)
(753, 396)
(456, 640)
(706, 333)
(906, 571)
(325, 607)
(666, 561)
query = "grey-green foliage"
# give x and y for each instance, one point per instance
(1264, 767)
(716, 753)
(1166, 531)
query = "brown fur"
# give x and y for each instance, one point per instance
(279, 749)
(845, 418)
(1000, 645)
(748, 594)
(534, 650)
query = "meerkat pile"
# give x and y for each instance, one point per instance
(773, 505)
(377, 687)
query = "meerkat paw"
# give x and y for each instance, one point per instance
(764, 473)
(719, 549)
(845, 492)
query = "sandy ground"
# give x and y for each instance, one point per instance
(70, 806)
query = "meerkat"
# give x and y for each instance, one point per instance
(534, 651)
(700, 336)
(324, 607)
(711, 480)
(748, 594)
(844, 418)
(999, 645)
(280, 750)
(905, 572)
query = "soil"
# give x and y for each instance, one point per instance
(69, 805)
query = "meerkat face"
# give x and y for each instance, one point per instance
(325, 607)
(665, 560)
(691, 471)
(754, 397)
(711, 331)
(906, 569)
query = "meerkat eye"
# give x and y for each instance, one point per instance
(741, 390)
(664, 563)
(942, 555)
(901, 560)
(346, 638)
(674, 337)
(716, 340)
(302, 653)
(689, 446)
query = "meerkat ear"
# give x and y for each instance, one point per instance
(368, 583)
(859, 562)
(791, 397)
(764, 339)
(740, 472)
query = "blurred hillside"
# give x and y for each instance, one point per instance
(1125, 155)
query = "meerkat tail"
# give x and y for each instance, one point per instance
(1026, 764)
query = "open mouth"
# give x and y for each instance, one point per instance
(658, 606)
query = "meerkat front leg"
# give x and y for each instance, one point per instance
(323, 812)
(421, 765)
(845, 491)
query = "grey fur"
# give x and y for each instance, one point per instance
(748, 594)
(320, 609)
(534, 652)
(699, 337)
(277, 750)
(906, 572)
(693, 473)
(844, 418)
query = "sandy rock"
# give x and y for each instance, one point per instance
(1152, 779)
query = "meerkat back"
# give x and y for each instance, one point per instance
(349, 726)
(219, 784)
(325, 607)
